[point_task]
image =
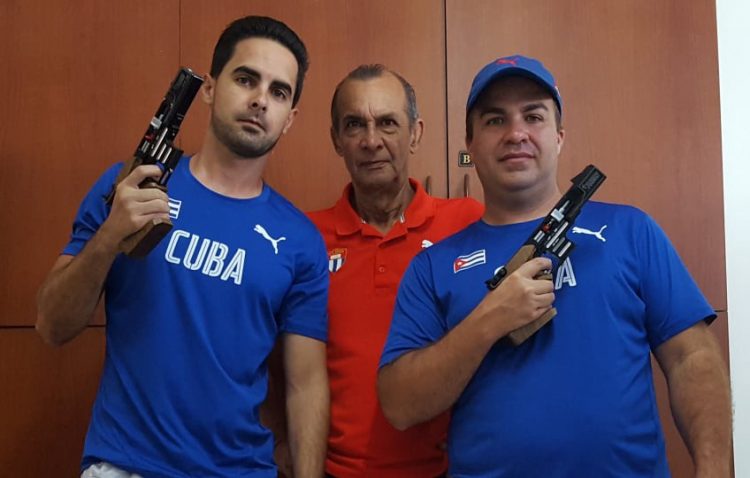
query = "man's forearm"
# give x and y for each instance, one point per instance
(424, 383)
(699, 395)
(308, 412)
(67, 299)
(308, 404)
(700, 400)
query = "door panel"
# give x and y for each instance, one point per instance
(340, 35)
(77, 89)
(46, 401)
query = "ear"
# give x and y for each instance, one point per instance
(290, 119)
(335, 141)
(416, 135)
(207, 89)
(560, 140)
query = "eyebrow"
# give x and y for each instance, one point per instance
(354, 116)
(524, 109)
(256, 75)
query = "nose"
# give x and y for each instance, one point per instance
(517, 131)
(371, 139)
(259, 101)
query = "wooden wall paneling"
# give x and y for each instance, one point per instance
(77, 89)
(340, 35)
(46, 401)
(639, 82)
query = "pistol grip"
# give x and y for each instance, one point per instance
(138, 245)
(519, 336)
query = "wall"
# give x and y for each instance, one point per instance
(733, 18)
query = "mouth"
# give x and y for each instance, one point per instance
(373, 164)
(252, 123)
(518, 156)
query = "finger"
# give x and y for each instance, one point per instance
(153, 206)
(140, 173)
(543, 286)
(545, 300)
(536, 265)
(148, 194)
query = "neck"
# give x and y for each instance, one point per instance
(223, 172)
(383, 207)
(516, 207)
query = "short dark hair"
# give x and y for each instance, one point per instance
(369, 72)
(260, 27)
(470, 127)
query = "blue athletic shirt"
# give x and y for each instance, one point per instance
(189, 328)
(577, 398)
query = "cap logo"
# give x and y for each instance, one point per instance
(506, 61)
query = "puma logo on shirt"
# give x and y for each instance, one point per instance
(274, 242)
(597, 234)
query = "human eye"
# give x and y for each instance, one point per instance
(243, 80)
(280, 93)
(534, 118)
(352, 124)
(389, 124)
(493, 120)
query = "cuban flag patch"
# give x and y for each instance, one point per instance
(336, 259)
(174, 208)
(476, 258)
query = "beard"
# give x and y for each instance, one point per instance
(240, 142)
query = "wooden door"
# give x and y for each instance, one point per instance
(639, 81)
(78, 85)
(340, 35)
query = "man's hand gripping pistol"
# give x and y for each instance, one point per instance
(157, 147)
(549, 239)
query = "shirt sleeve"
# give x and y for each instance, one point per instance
(417, 318)
(92, 212)
(304, 311)
(673, 300)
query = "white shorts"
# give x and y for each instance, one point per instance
(105, 470)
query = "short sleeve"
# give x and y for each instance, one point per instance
(673, 300)
(304, 311)
(417, 318)
(92, 212)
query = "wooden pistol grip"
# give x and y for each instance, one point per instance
(519, 336)
(139, 244)
(524, 255)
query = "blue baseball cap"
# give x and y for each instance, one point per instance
(513, 65)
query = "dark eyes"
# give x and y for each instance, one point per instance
(250, 82)
(385, 123)
(244, 80)
(280, 93)
(499, 120)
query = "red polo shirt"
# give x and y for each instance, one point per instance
(366, 268)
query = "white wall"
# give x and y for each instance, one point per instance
(733, 25)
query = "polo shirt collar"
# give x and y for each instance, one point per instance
(348, 222)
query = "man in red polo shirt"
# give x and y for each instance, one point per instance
(381, 221)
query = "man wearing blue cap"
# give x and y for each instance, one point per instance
(577, 398)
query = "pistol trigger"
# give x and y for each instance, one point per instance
(497, 278)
